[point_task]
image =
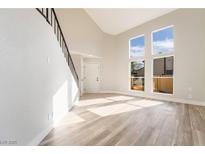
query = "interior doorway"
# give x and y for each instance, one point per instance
(91, 77)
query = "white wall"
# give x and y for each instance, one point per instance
(34, 76)
(85, 37)
(78, 63)
(204, 66)
(107, 63)
(204, 48)
(109, 66)
(188, 69)
(80, 31)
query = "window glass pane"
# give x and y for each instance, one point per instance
(163, 67)
(137, 84)
(137, 75)
(163, 85)
(137, 68)
(137, 47)
(163, 41)
(163, 75)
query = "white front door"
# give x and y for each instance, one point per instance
(92, 77)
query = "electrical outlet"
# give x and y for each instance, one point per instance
(48, 60)
(50, 116)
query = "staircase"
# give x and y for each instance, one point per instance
(51, 18)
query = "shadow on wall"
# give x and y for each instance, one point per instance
(64, 99)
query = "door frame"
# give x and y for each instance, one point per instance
(99, 63)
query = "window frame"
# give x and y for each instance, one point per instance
(157, 56)
(139, 58)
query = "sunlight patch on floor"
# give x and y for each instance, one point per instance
(93, 102)
(120, 98)
(145, 103)
(113, 109)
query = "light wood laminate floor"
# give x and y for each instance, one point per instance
(112, 119)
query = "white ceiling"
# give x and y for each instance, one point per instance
(115, 21)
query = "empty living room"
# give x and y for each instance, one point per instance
(90, 76)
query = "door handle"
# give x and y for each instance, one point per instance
(97, 79)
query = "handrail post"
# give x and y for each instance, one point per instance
(47, 15)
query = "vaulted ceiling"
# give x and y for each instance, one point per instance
(116, 21)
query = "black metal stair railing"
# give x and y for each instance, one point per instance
(51, 17)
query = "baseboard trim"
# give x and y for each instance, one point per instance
(158, 97)
(37, 140)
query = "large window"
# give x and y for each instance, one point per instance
(137, 65)
(163, 60)
(162, 57)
